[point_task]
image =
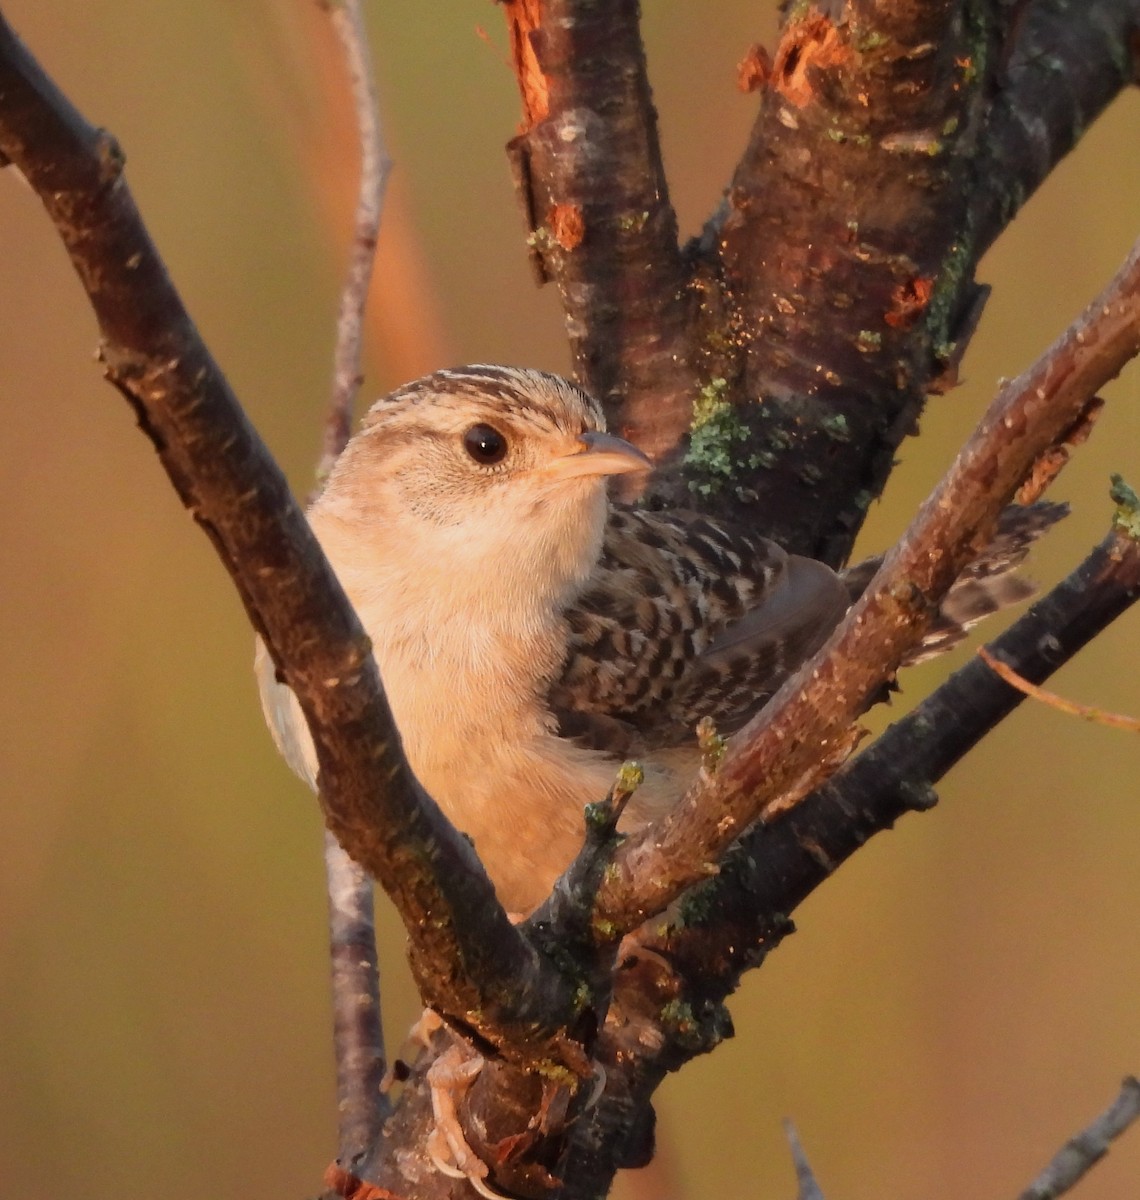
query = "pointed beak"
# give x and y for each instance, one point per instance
(600, 454)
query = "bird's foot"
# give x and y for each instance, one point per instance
(449, 1077)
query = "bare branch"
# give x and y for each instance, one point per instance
(1087, 1148)
(589, 175)
(1065, 64)
(358, 1036)
(358, 1033)
(807, 1186)
(375, 167)
(789, 744)
(466, 954)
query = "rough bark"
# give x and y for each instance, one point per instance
(772, 367)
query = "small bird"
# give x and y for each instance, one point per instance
(530, 634)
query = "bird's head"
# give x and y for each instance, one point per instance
(483, 466)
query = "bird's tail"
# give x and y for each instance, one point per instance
(988, 583)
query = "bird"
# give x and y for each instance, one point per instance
(532, 634)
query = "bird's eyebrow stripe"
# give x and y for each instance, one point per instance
(557, 405)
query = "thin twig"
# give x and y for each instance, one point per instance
(375, 167)
(1086, 711)
(358, 1034)
(358, 1037)
(807, 1185)
(1088, 1147)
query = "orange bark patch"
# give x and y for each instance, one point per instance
(754, 69)
(567, 226)
(523, 19)
(810, 44)
(345, 1184)
(908, 300)
(1050, 464)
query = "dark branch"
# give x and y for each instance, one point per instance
(840, 249)
(358, 1036)
(466, 955)
(795, 739)
(589, 174)
(1066, 64)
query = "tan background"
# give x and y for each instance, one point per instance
(958, 1000)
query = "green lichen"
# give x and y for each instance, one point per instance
(836, 427)
(679, 1017)
(633, 222)
(711, 744)
(950, 280)
(541, 239)
(715, 432)
(867, 341)
(630, 776)
(1126, 519)
(810, 474)
(697, 907)
(605, 930)
(872, 41)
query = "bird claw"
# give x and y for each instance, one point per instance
(449, 1077)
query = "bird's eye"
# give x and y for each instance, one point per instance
(485, 444)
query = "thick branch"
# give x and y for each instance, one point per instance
(466, 954)
(589, 175)
(1068, 61)
(841, 258)
(786, 749)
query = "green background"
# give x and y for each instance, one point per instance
(959, 999)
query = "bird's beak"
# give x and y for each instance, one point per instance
(599, 454)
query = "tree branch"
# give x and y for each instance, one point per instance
(1066, 63)
(375, 167)
(466, 955)
(794, 740)
(589, 176)
(358, 1033)
(1081, 1153)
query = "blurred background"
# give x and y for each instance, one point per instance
(959, 999)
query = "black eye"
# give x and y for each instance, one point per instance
(485, 444)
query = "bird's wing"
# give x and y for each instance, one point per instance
(684, 619)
